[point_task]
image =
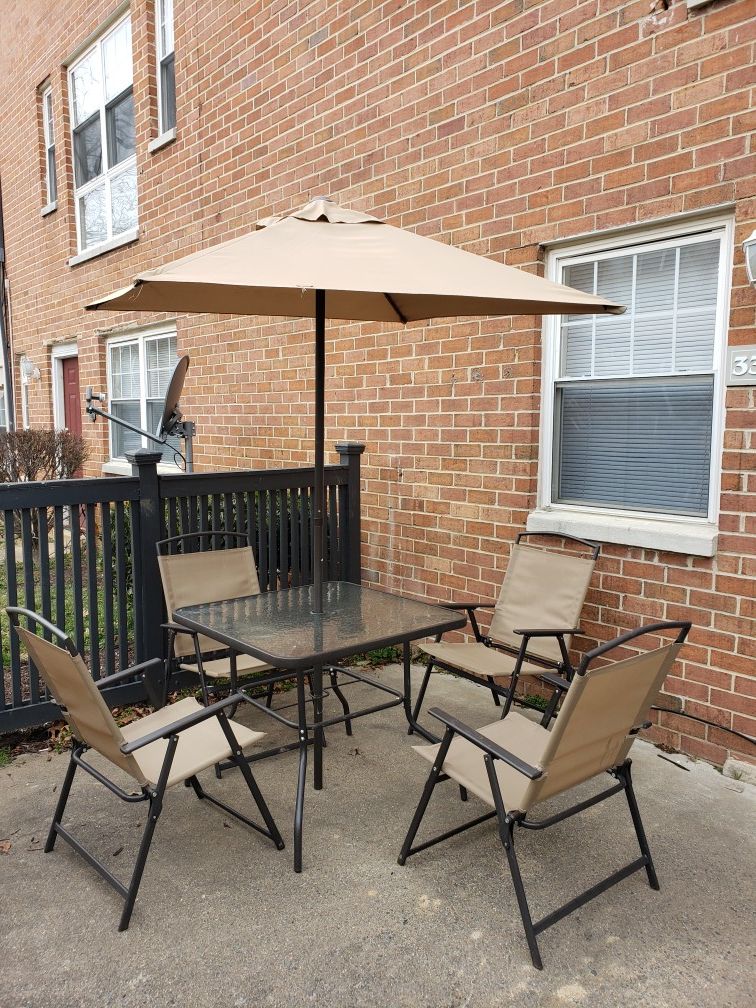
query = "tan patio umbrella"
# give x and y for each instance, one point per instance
(324, 261)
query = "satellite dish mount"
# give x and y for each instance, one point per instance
(172, 423)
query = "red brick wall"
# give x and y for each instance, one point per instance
(496, 126)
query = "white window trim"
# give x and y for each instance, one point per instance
(675, 533)
(165, 136)
(4, 397)
(48, 127)
(59, 353)
(118, 464)
(111, 241)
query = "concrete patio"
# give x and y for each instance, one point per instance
(223, 920)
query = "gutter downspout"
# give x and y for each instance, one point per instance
(5, 335)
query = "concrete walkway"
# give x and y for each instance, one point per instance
(222, 920)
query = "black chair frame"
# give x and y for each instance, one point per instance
(563, 668)
(153, 795)
(509, 819)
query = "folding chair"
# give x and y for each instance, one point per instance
(537, 611)
(515, 764)
(211, 575)
(170, 746)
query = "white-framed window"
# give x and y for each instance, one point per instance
(48, 136)
(3, 404)
(139, 368)
(632, 404)
(166, 66)
(102, 119)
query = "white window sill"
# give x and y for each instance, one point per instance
(694, 538)
(48, 209)
(120, 467)
(107, 246)
(158, 142)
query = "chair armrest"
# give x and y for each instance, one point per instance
(557, 681)
(176, 628)
(640, 727)
(469, 606)
(549, 633)
(486, 744)
(183, 723)
(127, 673)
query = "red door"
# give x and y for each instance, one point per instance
(71, 395)
(72, 407)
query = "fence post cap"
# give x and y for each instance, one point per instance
(350, 447)
(144, 456)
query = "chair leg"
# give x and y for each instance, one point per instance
(269, 696)
(507, 839)
(259, 800)
(421, 693)
(494, 694)
(341, 698)
(625, 775)
(430, 784)
(156, 807)
(61, 806)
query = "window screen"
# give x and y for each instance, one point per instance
(634, 394)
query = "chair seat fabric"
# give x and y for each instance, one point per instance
(479, 660)
(199, 747)
(465, 764)
(220, 668)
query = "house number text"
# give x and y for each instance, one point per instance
(741, 365)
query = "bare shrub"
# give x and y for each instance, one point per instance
(29, 455)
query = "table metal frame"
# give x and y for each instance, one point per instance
(312, 665)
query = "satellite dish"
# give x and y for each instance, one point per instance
(171, 418)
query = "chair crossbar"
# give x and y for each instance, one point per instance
(98, 866)
(76, 756)
(450, 833)
(585, 897)
(540, 824)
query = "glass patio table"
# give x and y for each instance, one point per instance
(279, 628)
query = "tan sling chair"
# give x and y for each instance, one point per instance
(514, 764)
(213, 575)
(168, 747)
(537, 611)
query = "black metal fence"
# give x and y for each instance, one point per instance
(82, 553)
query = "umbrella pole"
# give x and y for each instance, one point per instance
(317, 531)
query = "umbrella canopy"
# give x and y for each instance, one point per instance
(325, 261)
(373, 272)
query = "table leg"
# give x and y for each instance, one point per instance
(317, 716)
(302, 778)
(408, 699)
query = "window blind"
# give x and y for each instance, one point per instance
(634, 394)
(635, 446)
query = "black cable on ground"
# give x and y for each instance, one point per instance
(712, 724)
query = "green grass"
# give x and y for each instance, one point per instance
(381, 656)
(533, 700)
(68, 599)
(5, 756)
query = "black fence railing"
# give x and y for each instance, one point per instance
(83, 554)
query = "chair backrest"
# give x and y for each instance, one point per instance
(206, 576)
(542, 589)
(591, 732)
(89, 717)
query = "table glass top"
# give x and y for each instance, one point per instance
(280, 627)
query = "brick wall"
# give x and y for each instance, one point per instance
(496, 126)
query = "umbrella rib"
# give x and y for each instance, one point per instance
(393, 304)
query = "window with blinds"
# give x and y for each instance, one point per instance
(138, 374)
(634, 393)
